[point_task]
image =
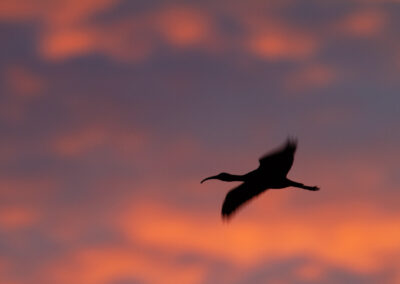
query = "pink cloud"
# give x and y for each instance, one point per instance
(364, 23)
(24, 86)
(278, 45)
(128, 39)
(68, 33)
(19, 10)
(58, 45)
(184, 26)
(23, 191)
(272, 38)
(24, 82)
(313, 76)
(79, 141)
(14, 218)
(58, 12)
(90, 137)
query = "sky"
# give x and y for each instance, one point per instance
(113, 111)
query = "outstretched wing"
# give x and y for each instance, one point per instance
(280, 161)
(238, 196)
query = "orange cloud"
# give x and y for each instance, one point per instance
(19, 10)
(63, 44)
(364, 23)
(67, 32)
(355, 239)
(67, 13)
(127, 38)
(58, 12)
(14, 218)
(278, 45)
(107, 264)
(273, 38)
(184, 26)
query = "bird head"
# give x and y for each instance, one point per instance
(221, 176)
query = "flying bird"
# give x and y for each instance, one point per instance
(271, 174)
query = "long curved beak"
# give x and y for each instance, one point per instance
(212, 177)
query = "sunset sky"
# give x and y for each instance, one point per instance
(113, 111)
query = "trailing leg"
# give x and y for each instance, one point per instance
(300, 185)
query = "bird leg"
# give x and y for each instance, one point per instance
(300, 185)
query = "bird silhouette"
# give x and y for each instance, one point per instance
(271, 174)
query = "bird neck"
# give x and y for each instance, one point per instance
(230, 177)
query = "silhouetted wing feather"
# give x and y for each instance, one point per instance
(238, 196)
(280, 161)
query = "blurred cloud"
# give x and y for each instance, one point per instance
(310, 77)
(333, 236)
(278, 45)
(64, 44)
(24, 82)
(68, 32)
(112, 111)
(58, 12)
(129, 38)
(110, 264)
(310, 272)
(23, 87)
(19, 10)
(84, 139)
(364, 23)
(185, 26)
(14, 218)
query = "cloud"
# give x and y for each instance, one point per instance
(63, 44)
(130, 38)
(283, 45)
(312, 76)
(15, 218)
(66, 30)
(105, 173)
(183, 27)
(19, 10)
(357, 240)
(310, 272)
(24, 82)
(58, 12)
(102, 265)
(69, 32)
(84, 139)
(22, 190)
(79, 141)
(274, 38)
(23, 87)
(363, 23)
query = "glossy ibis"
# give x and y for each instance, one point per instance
(271, 173)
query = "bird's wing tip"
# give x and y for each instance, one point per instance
(292, 140)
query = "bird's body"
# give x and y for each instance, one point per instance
(271, 174)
